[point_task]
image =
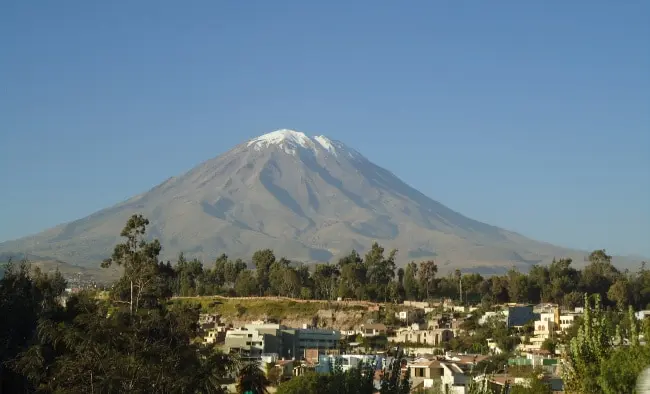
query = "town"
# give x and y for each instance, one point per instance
(362, 325)
(425, 331)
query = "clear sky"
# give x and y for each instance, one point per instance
(530, 115)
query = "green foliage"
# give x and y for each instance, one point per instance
(588, 350)
(392, 381)
(251, 379)
(96, 346)
(550, 345)
(534, 385)
(355, 381)
(427, 275)
(121, 352)
(593, 364)
(411, 288)
(246, 284)
(141, 282)
(24, 300)
(619, 372)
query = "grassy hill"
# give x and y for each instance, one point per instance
(291, 312)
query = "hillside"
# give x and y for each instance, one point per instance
(340, 315)
(308, 199)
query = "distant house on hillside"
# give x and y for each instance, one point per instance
(373, 330)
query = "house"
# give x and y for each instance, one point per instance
(249, 343)
(295, 341)
(567, 320)
(424, 372)
(215, 335)
(465, 361)
(424, 337)
(544, 328)
(373, 330)
(410, 315)
(454, 380)
(209, 318)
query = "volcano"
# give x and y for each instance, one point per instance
(309, 199)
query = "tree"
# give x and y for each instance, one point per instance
(251, 380)
(519, 288)
(325, 279)
(246, 284)
(599, 274)
(25, 299)
(232, 270)
(392, 381)
(380, 270)
(618, 373)
(400, 276)
(428, 271)
(534, 385)
(587, 351)
(353, 276)
(100, 351)
(310, 382)
(139, 259)
(549, 345)
(101, 346)
(190, 276)
(620, 293)
(410, 281)
(274, 374)
(263, 260)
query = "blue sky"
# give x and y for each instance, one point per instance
(530, 115)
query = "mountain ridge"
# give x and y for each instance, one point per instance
(307, 198)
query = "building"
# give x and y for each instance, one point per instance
(215, 335)
(567, 320)
(250, 344)
(641, 315)
(454, 380)
(345, 362)
(424, 372)
(512, 315)
(424, 337)
(289, 343)
(544, 328)
(410, 315)
(373, 330)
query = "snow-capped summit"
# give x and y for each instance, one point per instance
(282, 136)
(290, 140)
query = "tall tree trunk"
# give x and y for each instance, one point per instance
(131, 305)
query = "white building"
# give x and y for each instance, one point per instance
(545, 326)
(454, 380)
(566, 320)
